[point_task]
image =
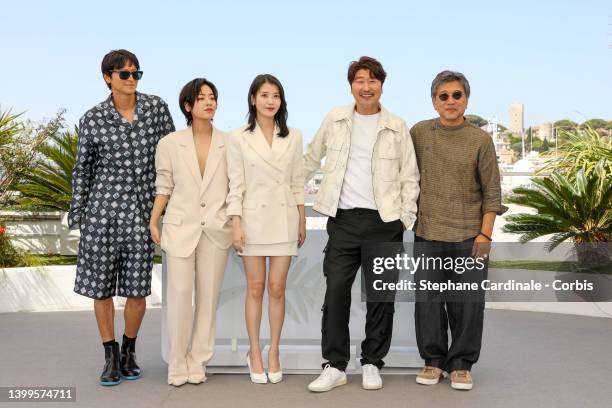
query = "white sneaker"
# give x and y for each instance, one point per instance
(370, 377)
(330, 378)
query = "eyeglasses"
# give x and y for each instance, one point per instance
(456, 96)
(126, 74)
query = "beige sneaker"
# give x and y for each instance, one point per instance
(461, 380)
(429, 375)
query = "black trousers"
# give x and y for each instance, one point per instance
(462, 311)
(348, 232)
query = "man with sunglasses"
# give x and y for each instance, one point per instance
(113, 185)
(460, 197)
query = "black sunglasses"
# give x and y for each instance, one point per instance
(126, 74)
(456, 96)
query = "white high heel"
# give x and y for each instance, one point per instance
(277, 376)
(257, 378)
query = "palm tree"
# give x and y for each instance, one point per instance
(48, 183)
(578, 210)
(582, 148)
(10, 127)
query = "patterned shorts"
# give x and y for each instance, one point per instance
(114, 259)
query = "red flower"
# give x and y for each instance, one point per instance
(2, 229)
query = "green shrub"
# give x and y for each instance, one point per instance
(9, 255)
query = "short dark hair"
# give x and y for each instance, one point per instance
(116, 59)
(281, 116)
(450, 76)
(190, 93)
(369, 63)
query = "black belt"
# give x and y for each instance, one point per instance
(356, 211)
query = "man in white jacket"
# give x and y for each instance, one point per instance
(369, 191)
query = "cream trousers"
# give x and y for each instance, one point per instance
(192, 330)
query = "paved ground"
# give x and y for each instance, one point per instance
(528, 360)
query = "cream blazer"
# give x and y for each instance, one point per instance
(196, 204)
(266, 184)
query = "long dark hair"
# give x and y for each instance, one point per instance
(281, 116)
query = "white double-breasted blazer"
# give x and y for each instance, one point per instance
(197, 204)
(266, 184)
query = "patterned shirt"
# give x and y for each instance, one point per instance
(459, 180)
(114, 173)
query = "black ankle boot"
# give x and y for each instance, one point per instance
(129, 367)
(110, 373)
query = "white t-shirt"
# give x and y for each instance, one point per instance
(357, 190)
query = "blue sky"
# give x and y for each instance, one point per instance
(553, 56)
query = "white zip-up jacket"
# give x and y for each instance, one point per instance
(395, 175)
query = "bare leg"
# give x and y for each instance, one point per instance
(277, 281)
(104, 310)
(133, 314)
(255, 270)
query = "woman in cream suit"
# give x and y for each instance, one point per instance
(196, 234)
(266, 203)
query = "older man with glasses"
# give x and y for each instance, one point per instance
(459, 199)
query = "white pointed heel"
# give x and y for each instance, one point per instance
(257, 378)
(276, 377)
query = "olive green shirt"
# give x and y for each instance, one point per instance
(459, 180)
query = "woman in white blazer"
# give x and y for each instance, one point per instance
(192, 185)
(266, 203)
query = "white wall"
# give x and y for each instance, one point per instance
(41, 233)
(48, 233)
